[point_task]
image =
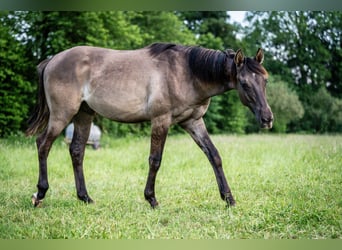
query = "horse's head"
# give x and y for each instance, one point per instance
(251, 85)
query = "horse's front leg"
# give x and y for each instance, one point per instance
(198, 131)
(158, 138)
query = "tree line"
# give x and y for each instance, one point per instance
(303, 55)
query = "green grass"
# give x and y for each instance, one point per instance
(286, 186)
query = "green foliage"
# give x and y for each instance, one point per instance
(208, 40)
(15, 89)
(211, 26)
(214, 115)
(323, 112)
(234, 113)
(226, 114)
(162, 26)
(122, 129)
(49, 33)
(303, 41)
(285, 104)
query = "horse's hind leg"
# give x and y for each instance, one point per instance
(82, 124)
(44, 143)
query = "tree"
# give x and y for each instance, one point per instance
(211, 27)
(324, 113)
(285, 104)
(15, 89)
(48, 33)
(162, 26)
(308, 43)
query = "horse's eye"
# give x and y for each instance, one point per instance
(244, 85)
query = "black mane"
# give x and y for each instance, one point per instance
(206, 64)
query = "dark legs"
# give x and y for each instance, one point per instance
(158, 137)
(198, 131)
(44, 143)
(82, 124)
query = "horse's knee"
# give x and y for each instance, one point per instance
(154, 162)
(76, 150)
(217, 160)
(73, 150)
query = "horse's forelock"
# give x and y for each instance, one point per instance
(255, 67)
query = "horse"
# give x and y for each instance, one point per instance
(163, 83)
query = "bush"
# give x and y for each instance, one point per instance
(118, 129)
(285, 104)
(323, 112)
(226, 114)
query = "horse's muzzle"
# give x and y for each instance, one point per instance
(266, 125)
(266, 121)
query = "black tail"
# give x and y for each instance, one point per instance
(40, 117)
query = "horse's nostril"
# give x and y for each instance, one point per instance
(266, 122)
(266, 119)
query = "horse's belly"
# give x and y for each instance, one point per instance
(127, 100)
(129, 110)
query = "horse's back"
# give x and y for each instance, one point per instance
(120, 85)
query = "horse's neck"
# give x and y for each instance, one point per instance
(218, 88)
(207, 90)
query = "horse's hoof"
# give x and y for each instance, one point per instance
(35, 201)
(231, 204)
(90, 201)
(86, 199)
(154, 203)
(230, 201)
(155, 206)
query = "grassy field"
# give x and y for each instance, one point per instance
(286, 186)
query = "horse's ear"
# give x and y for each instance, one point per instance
(239, 58)
(259, 56)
